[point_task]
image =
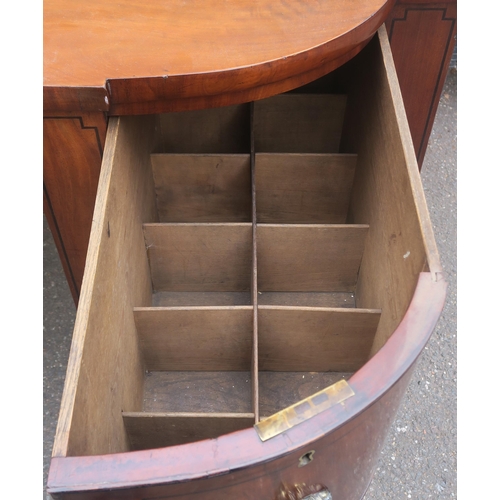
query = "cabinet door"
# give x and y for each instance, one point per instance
(422, 36)
(72, 155)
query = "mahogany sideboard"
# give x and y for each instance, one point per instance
(201, 259)
(78, 100)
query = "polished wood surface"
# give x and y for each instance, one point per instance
(72, 155)
(422, 35)
(123, 54)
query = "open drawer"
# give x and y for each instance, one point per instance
(260, 281)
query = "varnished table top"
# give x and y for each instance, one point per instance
(130, 56)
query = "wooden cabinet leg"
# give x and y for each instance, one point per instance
(72, 154)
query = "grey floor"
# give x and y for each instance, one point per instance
(419, 459)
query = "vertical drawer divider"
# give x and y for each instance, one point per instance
(255, 295)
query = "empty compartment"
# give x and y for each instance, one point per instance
(156, 430)
(202, 188)
(299, 123)
(195, 338)
(223, 130)
(198, 381)
(303, 188)
(309, 258)
(314, 340)
(209, 259)
(278, 390)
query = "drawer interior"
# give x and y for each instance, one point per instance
(245, 258)
(265, 212)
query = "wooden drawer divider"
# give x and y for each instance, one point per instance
(253, 271)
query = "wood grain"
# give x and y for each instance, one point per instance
(223, 130)
(308, 299)
(301, 188)
(309, 257)
(387, 192)
(176, 51)
(200, 257)
(254, 287)
(190, 338)
(72, 155)
(422, 37)
(198, 392)
(155, 430)
(299, 123)
(278, 390)
(105, 371)
(346, 438)
(202, 188)
(180, 299)
(315, 339)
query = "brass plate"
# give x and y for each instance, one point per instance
(303, 410)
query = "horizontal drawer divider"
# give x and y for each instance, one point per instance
(303, 188)
(309, 257)
(195, 338)
(202, 187)
(186, 414)
(156, 430)
(200, 299)
(295, 123)
(308, 299)
(199, 257)
(318, 339)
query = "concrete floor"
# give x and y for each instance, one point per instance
(419, 459)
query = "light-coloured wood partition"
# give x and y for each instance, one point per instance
(299, 123)
(211, 257)
(303, 188)
(315, 339)
(387, 192)
(202, 188)
(195, 338)
(105, 369)
(309, 257)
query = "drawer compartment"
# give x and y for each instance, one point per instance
(244, 260)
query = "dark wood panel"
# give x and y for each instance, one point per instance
(152, 53)
(72, 155)
(422, 36)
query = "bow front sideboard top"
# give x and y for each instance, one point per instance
(126, 57)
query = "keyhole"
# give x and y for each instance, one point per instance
(306, 458)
